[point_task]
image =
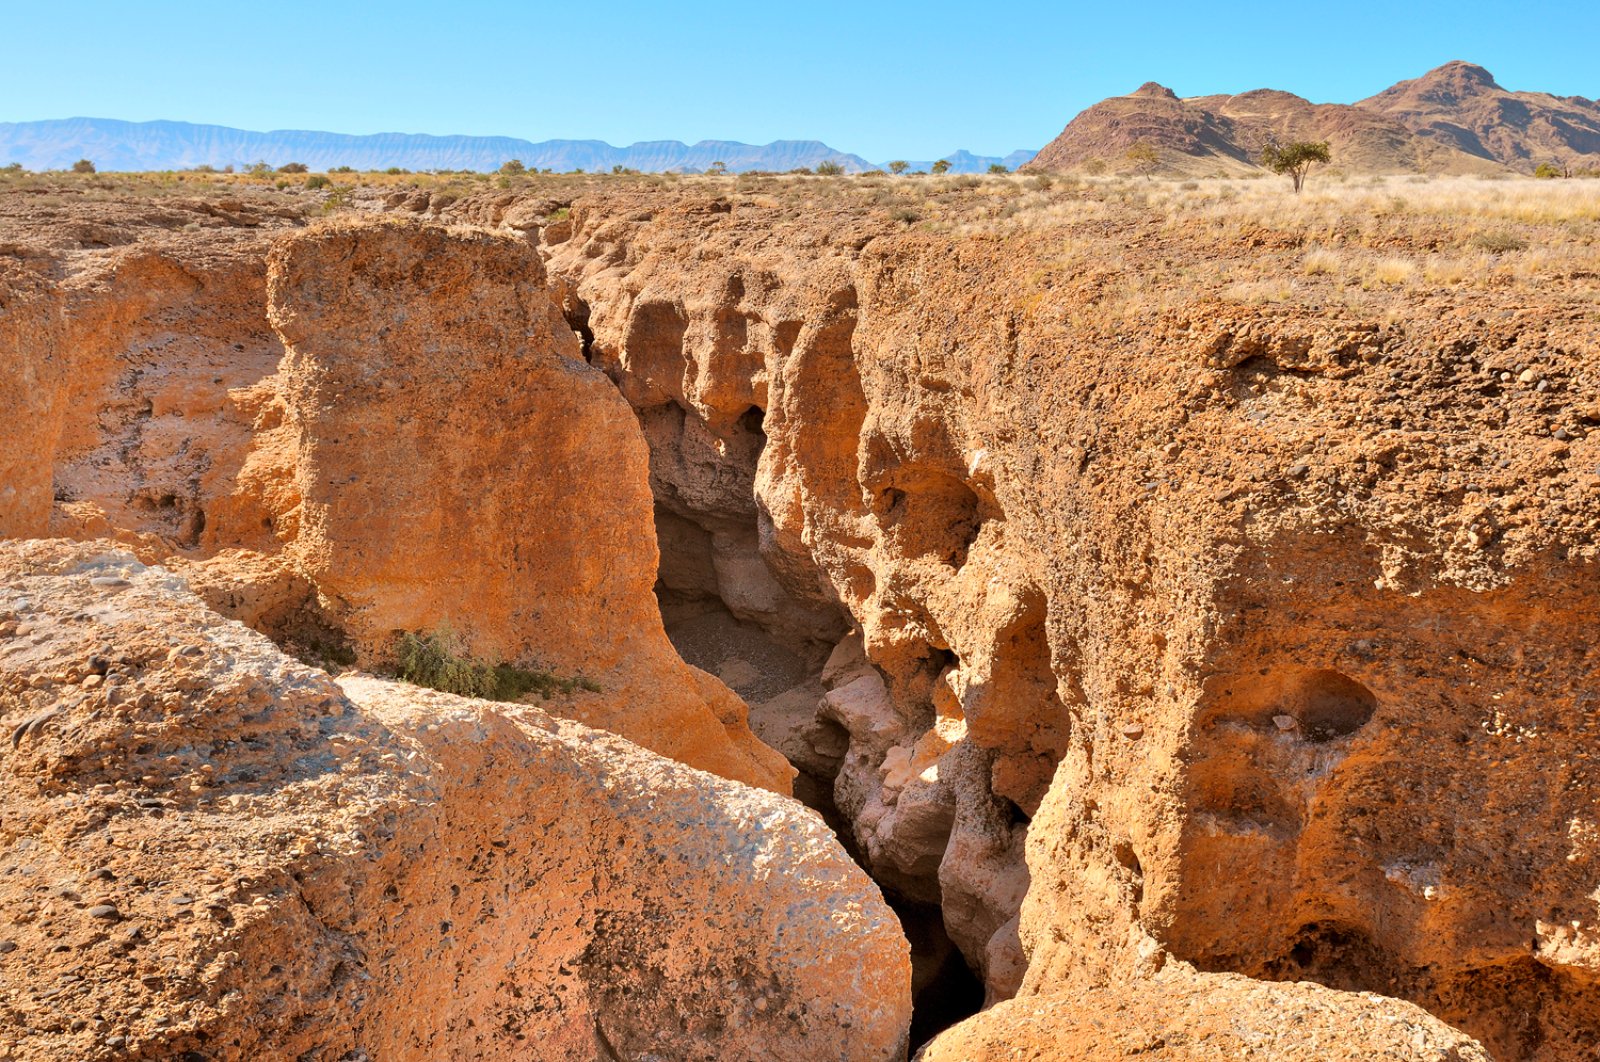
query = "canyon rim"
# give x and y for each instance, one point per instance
(1122, 609)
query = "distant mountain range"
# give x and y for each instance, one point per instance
(1454, 119)
(119, 145)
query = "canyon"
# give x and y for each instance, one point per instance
(1166, 605)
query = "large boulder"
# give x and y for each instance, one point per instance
(1184, 1016)
(211, 851)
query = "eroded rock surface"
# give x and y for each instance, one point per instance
(430, 451)
(213, 851)
(1183, 1016)
(1169, 641)
(460, 465)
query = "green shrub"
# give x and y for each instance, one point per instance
(1547, 171)
(1294, 159)
(513, 168)
(829, 168)
(293, 167)
(83, 166)
(999, 167)
(317, 180)
(436, 662)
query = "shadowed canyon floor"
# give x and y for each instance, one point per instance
(1173, 596)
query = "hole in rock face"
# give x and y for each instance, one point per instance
(928, 513)
(1128, 859)
(1339, 956)
(751, 422)
(1333, 706)
(1324, 705)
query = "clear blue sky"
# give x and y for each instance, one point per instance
(884, 80)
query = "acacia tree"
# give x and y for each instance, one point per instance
(942, 166)
(898, 166)
(1144, 158)
(1294, 159)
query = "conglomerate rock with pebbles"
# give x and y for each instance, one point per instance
(211, 851)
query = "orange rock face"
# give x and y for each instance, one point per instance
(1211, 667)
(1224, 608)
(212, 849)
(406, 465)
(459, 465)
(1183, 1016)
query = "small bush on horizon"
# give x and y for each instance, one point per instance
(435, 661)
(513, 168)
(941, 166)
(83, 166)
(898, 166)
(829, 168)
(293, 167)
(999, 167)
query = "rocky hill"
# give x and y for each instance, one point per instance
(1453, 120)
(1461, 106)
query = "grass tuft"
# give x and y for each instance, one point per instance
(434, 660)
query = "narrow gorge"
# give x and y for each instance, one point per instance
(1157, 672)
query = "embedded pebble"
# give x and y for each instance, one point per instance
(109, 582)
(105, 911)
(1284, 722)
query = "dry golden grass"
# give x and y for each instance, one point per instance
(1392, 271)
(1362, 243)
